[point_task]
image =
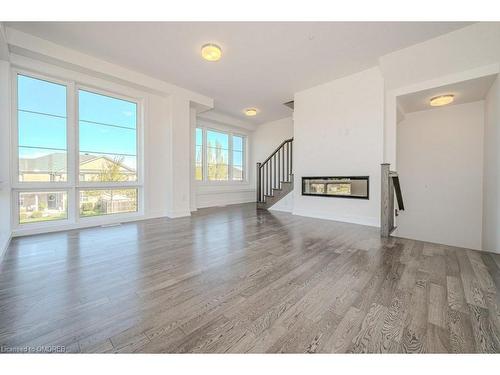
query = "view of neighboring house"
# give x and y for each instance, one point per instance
(43, 206)
(52, 167)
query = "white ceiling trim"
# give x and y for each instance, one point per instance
(4, 48)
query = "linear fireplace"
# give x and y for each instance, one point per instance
(337, 186)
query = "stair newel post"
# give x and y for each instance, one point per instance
(257, 179)
(385, 210)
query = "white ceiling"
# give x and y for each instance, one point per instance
(465, 92)
(263, 63)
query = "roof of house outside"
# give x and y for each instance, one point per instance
(56, 162)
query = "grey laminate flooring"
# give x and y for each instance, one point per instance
(236, 279)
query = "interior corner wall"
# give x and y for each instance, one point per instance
(339, 131)
(491, 183)
(440, 166)
(5, 197)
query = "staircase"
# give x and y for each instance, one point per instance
(275, 176)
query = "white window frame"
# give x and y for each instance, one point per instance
(73, 185)
(229, 181)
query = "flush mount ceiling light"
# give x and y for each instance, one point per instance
(438, 101)
(211, 52)
(251, 112)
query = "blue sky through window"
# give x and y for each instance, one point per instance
(216, 139)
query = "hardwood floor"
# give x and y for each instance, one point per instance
(239, 280)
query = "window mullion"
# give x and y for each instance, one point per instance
(204, 151)
(71, 142)
(230, 158)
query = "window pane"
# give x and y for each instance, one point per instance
(238, 173)
(42, 206)
(237, 143)
(41, 120)
(199, 172)
(217, 140)
(237, 158)
(98, 167)
(106, 110)
(106, 202)
(199, 163)
(199, 137)
(107, 138)
(42, 165)
(218, 172)
(41, 130)
(217, 156)
(41, 96)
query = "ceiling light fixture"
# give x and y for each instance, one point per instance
(251, 112)
(211, 52)
(440, 100)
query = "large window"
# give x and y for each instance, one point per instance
(108, 138)
(76, 148)
(220, 154)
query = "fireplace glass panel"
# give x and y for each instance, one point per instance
(345, 187)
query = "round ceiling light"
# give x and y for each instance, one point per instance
(438, 101)
(211, 52)
(251, 112)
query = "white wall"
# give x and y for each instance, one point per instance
(268, 136)
(180, 157)
(338, 131)
(440, 164)
(157, 156)
(491, 187)
(5, 229)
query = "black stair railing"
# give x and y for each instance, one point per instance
(275, 169)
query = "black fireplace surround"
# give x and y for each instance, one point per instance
(357, 187)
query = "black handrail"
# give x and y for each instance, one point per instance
(275, 151)
(397, 189)
(277, 168)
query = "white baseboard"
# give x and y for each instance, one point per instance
(224, 198)
(361, 220)
(176, 214)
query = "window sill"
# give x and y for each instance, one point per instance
(67, 224)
